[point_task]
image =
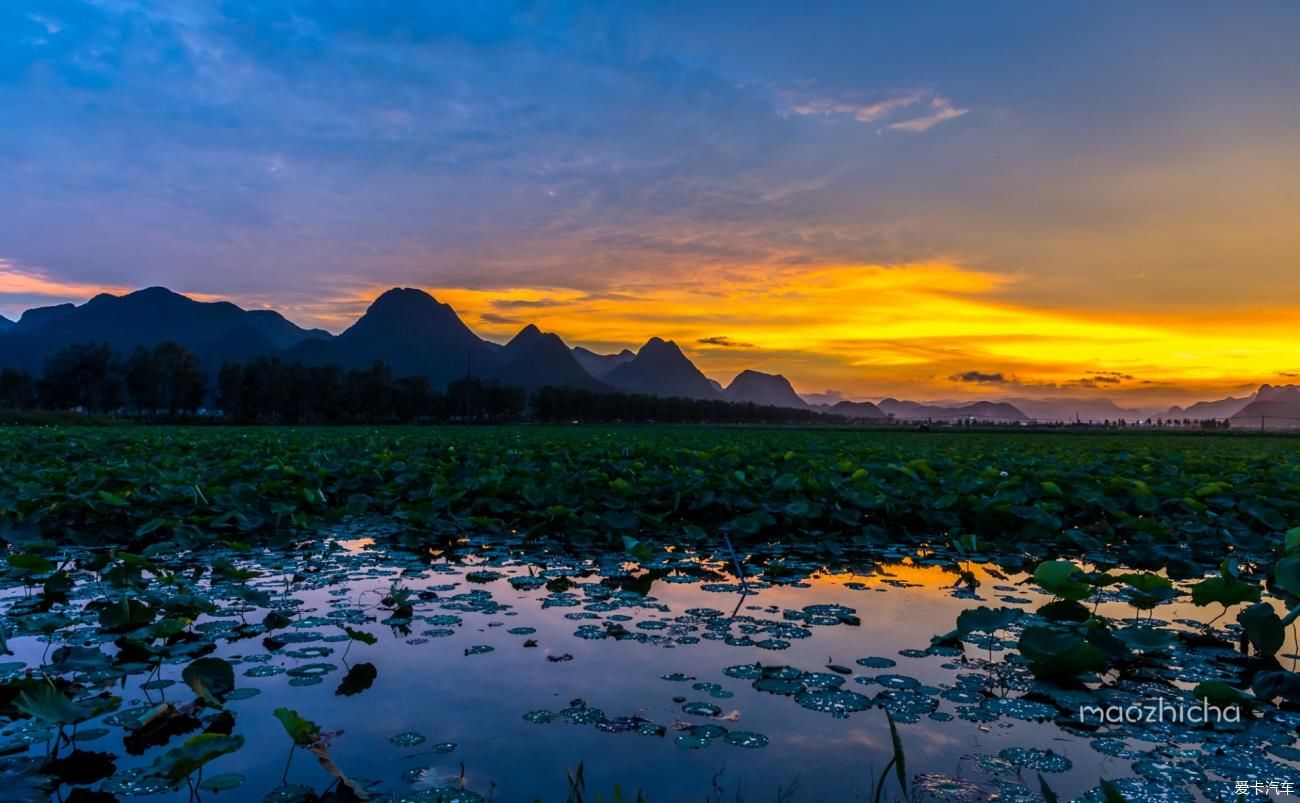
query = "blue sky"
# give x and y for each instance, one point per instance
(1104, 157)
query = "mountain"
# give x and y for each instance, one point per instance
(982, 410)
(413, 333)
(146, 318)
(1275, 406)
(533, 359)
(661, 369)
(770, 390)
(1223, 408)
(5, 324)
(600, 364)
(1070, 409)
(852, 409)
(39, 316)
(827, 397)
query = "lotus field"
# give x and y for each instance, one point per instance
(621, 613)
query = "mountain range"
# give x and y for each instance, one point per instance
(415, 334)
(1272, 406)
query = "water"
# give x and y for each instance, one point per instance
(513, 667)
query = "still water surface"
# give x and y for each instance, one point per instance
(677, 678)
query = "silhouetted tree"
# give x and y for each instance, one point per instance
(83, 375)
(573, 404)
(230, 391)
(17, 392)
(484, 400)
(168, 378)
(184, 385)
(143, 381)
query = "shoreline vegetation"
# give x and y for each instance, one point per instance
(1052, 490)
(90, 383)
(1091, 520)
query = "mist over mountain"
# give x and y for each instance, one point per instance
(1072, 409)
(1221, 408)
(600, 364)
(856, 409)
(661, 369)
(772, 390)
(981, 410)
(1275, 406)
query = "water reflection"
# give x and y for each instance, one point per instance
(501, 667)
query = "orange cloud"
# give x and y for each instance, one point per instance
(875, 330)
(23, 282)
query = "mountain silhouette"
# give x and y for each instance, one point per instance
(1064, 408)
(770, 390)
(413, 333)
(39, 316)
(982, 410)
(145, 318)
(1274, 406)
(853, 409)
(533, 359)
(600, 364)
(661, 369)
(1221, 408)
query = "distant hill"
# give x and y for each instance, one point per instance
(1275, 406)
(534, 359)
(39, 316)
(1223, 408)
(600, 364)
(982, 410)
(852, 409)
(146, 318)
(5, 324)
(413, 333)
(661, 369)
(1070, 409)
(772, 390)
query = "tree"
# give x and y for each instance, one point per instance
(84, 375)
(230, 391)
(143, 381)
(181, 378)
(16, 389)
(167, 378)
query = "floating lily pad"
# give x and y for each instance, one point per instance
(837, 703)
(407, 739)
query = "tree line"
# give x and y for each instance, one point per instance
(169, 382)
(165, 380)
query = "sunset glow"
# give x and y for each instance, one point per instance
(876, 206)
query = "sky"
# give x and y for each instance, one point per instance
(938, 200)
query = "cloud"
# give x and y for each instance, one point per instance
(724, 342)
(827, 396)
(861, 111)
(530, 303)
(979, 377)
(24, 287)
(940, 109)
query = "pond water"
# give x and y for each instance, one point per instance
(675, 675)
